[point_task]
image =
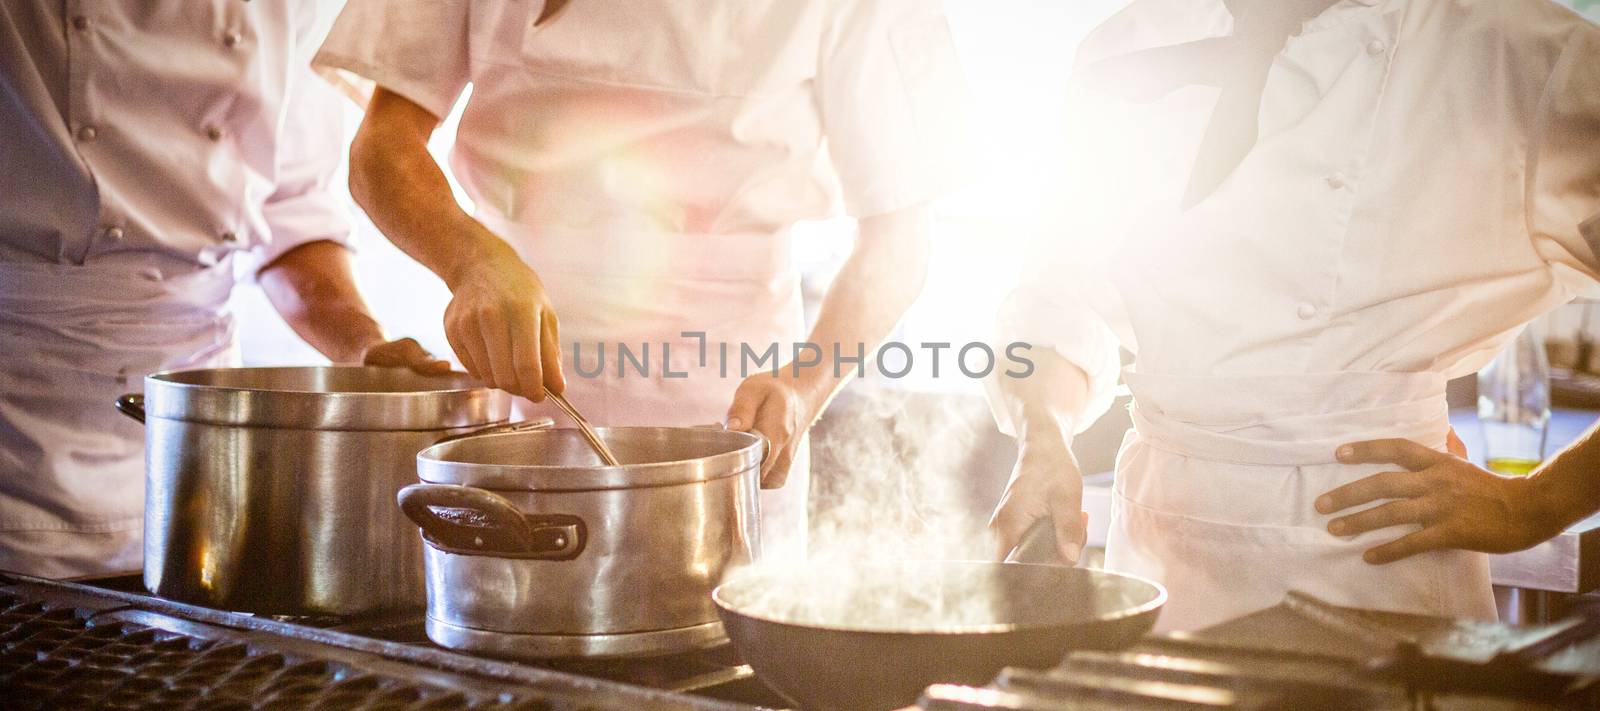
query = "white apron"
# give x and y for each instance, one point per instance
(1215, 486)
(616, 287)
(73, 339)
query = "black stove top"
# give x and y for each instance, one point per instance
(105, 643)
(108, 644)
(1309, 655)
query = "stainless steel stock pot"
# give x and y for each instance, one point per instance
(536, 549)
(272, 490)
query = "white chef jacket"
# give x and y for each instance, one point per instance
(685, 117)
(165, 135)
(1425, 182)
(146, 143)
(648, 160)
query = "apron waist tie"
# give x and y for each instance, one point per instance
(97, 293)
(1285, 420)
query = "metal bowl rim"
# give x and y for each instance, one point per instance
(166, 380)
(1155, 603)
(168, 396)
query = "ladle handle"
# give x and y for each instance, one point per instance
(1038, 544)
(131, 405)
(595, 443)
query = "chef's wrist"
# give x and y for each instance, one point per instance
(816, 386)
(364, 335)
(1551, 502)
(1042, 427)
(474, 249)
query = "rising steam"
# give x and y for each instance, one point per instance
(891, 486)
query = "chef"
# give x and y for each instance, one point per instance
(1302, 218)
(149, 149)
(636, 169)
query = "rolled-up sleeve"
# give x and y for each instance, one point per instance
(1051, 309)
(894, 105)
(1563, 200)
(415, 48)
(1063, 302)
(304, 206)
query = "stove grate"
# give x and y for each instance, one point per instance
(65, 657)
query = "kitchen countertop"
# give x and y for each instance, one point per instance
(1569, 563)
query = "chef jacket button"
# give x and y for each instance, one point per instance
(114, 234)
(1336, 181)
(80, 23)
(1376, 47)
(230, 237)
(87, 133)
(231, 40)
(214, 133)
(1305, 311)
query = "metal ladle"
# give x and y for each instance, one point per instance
(589, 434)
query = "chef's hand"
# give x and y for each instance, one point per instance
(781, 408)
(1045, 482)
(404, 353)
(502, 327)
(1457, 504)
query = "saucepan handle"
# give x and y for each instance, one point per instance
(502, 428)
(1038, 544)
(466, 520)
(132, 405)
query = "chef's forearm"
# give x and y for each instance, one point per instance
(398, 183)
(1047, 404)
(1566, 489)
(313, 287)
(872, 291)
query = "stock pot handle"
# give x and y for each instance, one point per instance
(466, 520)
(132, 405)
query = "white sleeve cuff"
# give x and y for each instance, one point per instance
(1075, 333)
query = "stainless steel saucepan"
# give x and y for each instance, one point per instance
(537, 549)
(272, 490)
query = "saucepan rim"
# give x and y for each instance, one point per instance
(525, 477)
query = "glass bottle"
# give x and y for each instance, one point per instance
(1514, 406)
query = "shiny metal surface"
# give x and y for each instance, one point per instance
(283, 501)
(834, 657)
(593, 646)
(589, 435)
(324, 398)
(659, 535)
(561, 460)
